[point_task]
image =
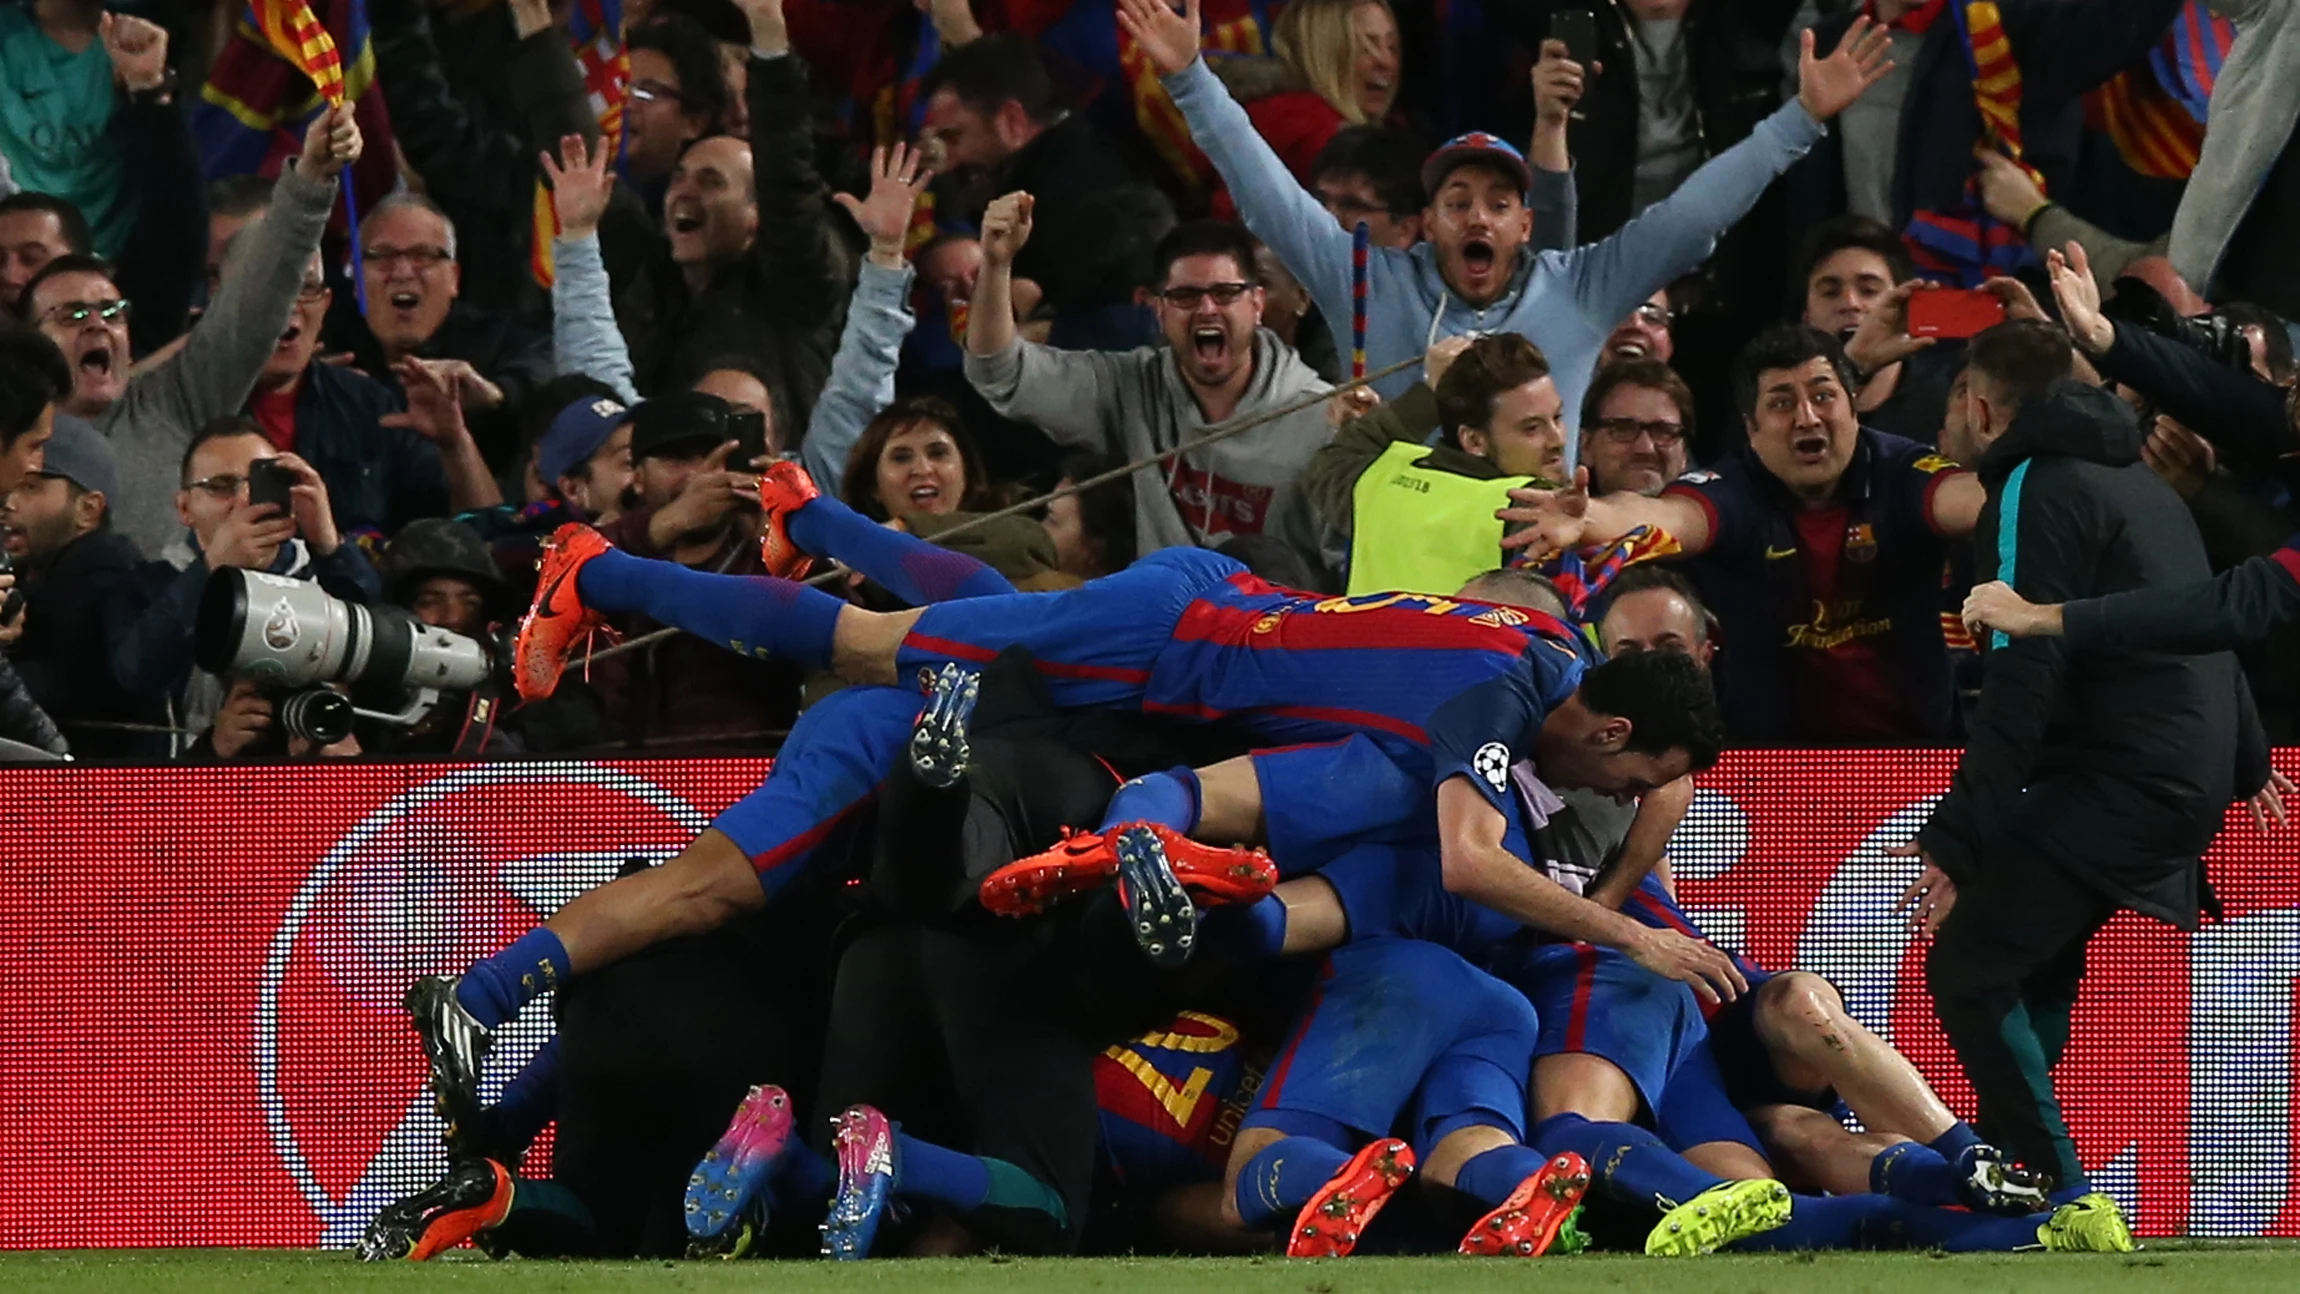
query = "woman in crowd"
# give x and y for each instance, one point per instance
(1336, 65)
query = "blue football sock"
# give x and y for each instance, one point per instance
(1914, 1226)
(1491, 1176)
(1251, 932)
(494, 989)
(917, 572)
(749, 615)
(1823, 1222)
(945, 1176)
(1957, 1140)
(1281, 1179)
(1169, 799)
(803, 1179)
(531, 1098)
(1624, 1158)
(1914, 1172)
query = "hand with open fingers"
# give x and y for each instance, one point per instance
(580, 185)
(1558, 82)
(1006, 228)
(1554, 521)
(1883, 339)
(897, 178)
(1994, 605)
(1827, 86)
(331, 144)
(1169, 37)
(138, 49)
(2079, 296)
(2268, 802)
(1700, 965)
(1930, 896)
(433, 411)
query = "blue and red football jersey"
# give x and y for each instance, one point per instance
(1172, 1100)
(1294, 667)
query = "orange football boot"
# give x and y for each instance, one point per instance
(1528, 1221)
(1214, 874)
(784, 488)
(1330, 1224)
(558, 622)
(472, 1199)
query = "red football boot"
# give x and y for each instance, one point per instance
(784, 488)
(1528, 1221)
(1213, 874)
(558, 622)
(1330, 1224)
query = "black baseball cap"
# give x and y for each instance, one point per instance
(679, 424)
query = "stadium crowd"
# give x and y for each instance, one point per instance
(1701, 350)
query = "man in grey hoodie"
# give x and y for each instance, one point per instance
(1476, 272)
(150, 417)
(1218, 364)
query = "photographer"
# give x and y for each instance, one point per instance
(58, 530)
(153, 614)
(442, 573)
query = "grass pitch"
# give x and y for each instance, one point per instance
(2165, 1266)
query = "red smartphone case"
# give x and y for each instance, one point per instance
(1953, 312)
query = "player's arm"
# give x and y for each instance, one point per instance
(1478, 867)
(1658, 813)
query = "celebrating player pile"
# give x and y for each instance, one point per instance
(1390, 864)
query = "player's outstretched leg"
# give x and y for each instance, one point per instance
(727, 1193)
(475, 1196)
(938, 746)
(915, 571)
(583, 577)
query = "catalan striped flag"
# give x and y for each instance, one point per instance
(595, 29)
(1583, 576)
(2155, 111)
(284, 62)
(1246, 32)
(1963, 244)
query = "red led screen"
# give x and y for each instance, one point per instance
(199, 1020)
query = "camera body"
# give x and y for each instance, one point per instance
(294, 638)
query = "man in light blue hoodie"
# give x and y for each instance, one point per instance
(1476, 274)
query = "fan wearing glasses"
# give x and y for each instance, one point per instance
(1634, 425)
(1217, 363)
(150, 416)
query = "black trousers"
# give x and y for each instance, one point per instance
(2003, 972)
(655, 1053)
